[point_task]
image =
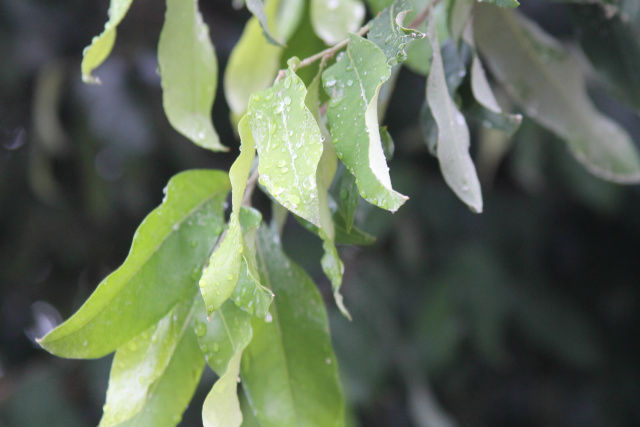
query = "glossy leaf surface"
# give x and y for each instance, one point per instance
(547, 83)
(257, 8)
(353, 83)
(389, 34)
(221, 407)
(333, 20)
(289, 370)
(145, 366)
(289, 145)
(101, 45)
(189, 73)
(166, 257)
(453, 134)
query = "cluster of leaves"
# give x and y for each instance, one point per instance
(198, 289)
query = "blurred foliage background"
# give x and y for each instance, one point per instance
(525, 315)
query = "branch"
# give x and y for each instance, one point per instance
(327, 53)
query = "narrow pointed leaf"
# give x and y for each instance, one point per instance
(239, 171)
(348, 196)
(333, 20)
(289, 145)
(289, 371)
(168, 252)
(547, 83)
(353, 83)
(189, 73)
(257, 8)
(389, 34)
(221, 407)
(101, 45)
(144, 363)
(612, 45)
(223, 334)
(453, 135)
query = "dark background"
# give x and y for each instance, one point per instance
(525, 315)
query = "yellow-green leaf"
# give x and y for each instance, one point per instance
(333, 20)
(221, 407)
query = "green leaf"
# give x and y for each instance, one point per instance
(349, 197)
(354, 236)
(453, 135)
(547, 83)
(189, 72)
(613, 47)
(150, 363)
(458, 12)
(388, 33)
(289, 371)
(252, 65)
(223, 334)
(508, 4)
(388, 145)
(353, 83)
(257, 8)
(488, 112)
(333, 20)
(101, 45)
(289, 145)
(221, 407)
(239, 171)
(166, 257)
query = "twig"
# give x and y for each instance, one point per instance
(327, 53)
(423, 15)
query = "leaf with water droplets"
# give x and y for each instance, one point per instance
(289, 145)
(166, 258)
(289, 371)
(101, 45)
(453, 135)
(487, 111)
(145, 372)
(223, 334)
(388, 33)
(189, 73)
(547, 83)
(353, 83)
(221, 407)
(346, 191)
(333, 20)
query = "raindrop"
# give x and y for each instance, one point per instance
(282, 164)
(193, 243)
(330, 82)
(287, 100)
(269, 318)
(349, 82)
(201, 329)
(216, 347)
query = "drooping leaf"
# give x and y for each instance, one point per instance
(389, 34)
(146, 365)
(353, 83)
(189, 73)
(547, 83)
(252, 65)
(428, 129)
(348, 195)
(333, 20)
(257, 8)
(168, 252)
(221, 407)
(101, 45)
(239, 171)
(354, 236)
(289, 371)
(289, 145)
(223, 334)
(453, 135)
(487, 111)
(613, 47)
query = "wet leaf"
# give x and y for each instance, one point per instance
(101, 45)
(333, 20)
(289, 145)
(289, 371)
(353, 83)
(453, 135)
(388, 33)
(149, 368)
(168, 252)
(223, 334)
(349, 197)
(189, 72)
(547, 83)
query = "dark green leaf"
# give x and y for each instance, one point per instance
(189, 72)
(547, 83)
(289, 371)
(168, 252)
